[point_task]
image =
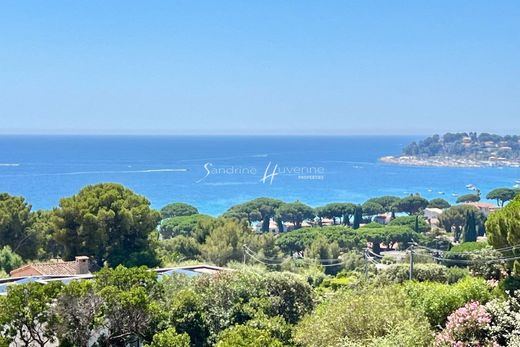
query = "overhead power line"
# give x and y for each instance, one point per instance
(273, 261)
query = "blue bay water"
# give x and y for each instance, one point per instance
(216, 172)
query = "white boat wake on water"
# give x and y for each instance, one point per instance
(120, 171)
(74, 173)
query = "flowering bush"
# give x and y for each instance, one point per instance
(437, 301)
(467, 326)
(505, 325)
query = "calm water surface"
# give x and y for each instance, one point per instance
(216, 172)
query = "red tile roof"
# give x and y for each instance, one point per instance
(482, 205)
(51, 268)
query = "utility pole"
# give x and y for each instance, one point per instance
(411, 264)
(244, 250)
(366, 264)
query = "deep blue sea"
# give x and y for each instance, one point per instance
(216, 172)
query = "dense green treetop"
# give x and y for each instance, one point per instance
(255, 209)
(226, 241)
(25, 314)
(299, 240)
(296, 213)
(387, 202)
(502, 195)
(411, 204)
(389, 235)
(322, 248)
(410, 222)
(108, 222)
(170, 338)
(179, 248)
(468, 198)
(181, 225)
(336, 210)
(247, 336)
(371, 208)
(9, 260)
(439, 203)
(455, 218)
(45, 228)
(260, 209)
(503, 226)
(177, 209)
(16, 226)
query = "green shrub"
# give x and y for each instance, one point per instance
(373, 225)
(312, 274)
(353, 261)
(187, 316)
(509, 284)
(410, 221)
(437, 301)
(290, 297)
(362, 316)
(234, 298)
(478, 253)
(276, 326)
(177, 248)
(338, 282)
(479, 267)
(468, 247)
(169, 338)
(455, 274)
(423, 272)
(388, 260)
(434, 240)
(9, 260)
(247, 336)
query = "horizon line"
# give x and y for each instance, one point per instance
(240, 134)
(218, 134)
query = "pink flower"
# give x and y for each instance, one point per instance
(467, 326)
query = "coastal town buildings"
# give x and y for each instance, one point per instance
(432, 215)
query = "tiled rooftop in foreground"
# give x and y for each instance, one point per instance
(190, 271)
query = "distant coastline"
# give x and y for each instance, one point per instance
(448, 162)
(461, 150)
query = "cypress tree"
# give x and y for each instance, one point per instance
(358, 217)
(470, 229)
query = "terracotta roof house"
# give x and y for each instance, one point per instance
(5, 283)
(484, 207)
(79, 266)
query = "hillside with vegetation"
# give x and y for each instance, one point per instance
(328, 276)
(462, 149)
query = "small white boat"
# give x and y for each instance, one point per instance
(441, 193)
(454, 194)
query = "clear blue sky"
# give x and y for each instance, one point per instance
(354, 67)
